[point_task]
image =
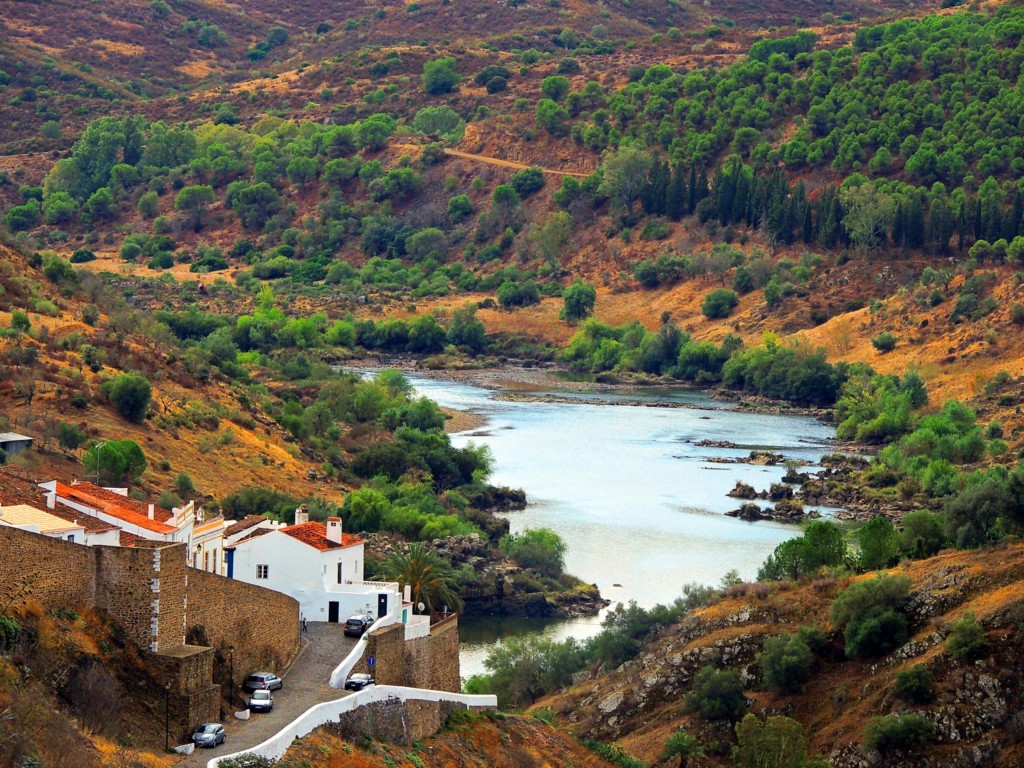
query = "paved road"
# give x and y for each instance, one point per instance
(305, 684)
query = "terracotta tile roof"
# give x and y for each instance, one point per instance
(125, 502)
(315, 535)
(129, 539)
(247, 522)
(83, 494)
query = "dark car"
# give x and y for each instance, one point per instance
(262, 681)
(358, 681)
(209, 735)
(261, 701)
(356, 625)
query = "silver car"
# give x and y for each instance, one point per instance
(261, 701)
(209, 735)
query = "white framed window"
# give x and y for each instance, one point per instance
(262, 571)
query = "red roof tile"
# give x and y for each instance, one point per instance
(17, 487)
(83, 494)
(129, 539)
(315, 535)
(247, 522)
(125, 502)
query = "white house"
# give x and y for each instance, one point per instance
(317, 564)
(203, 536)
(35, 520)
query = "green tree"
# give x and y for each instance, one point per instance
(776, 742)
(148, 205)
(555, 87)
(192, 202)
(539, 548)
(716, 695)
(100, 205)
(923, 534)
(578, 301)
(130, 394)
(868, 214)
(430, 578)
(906, 733)
(459, 207)
(879, 544)
(914, 685)
(70, 436)
(116, 461)
(966, 638)
(442, 121)
(552, 117)
(625, 173)
(786, 663)
(550, 236)
(719, 303)
(871, 613)
(59, 208)
(439, 76)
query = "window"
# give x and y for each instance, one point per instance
(206, 561)
(339, 573)
(262, 571)
(71, 538)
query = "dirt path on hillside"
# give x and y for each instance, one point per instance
(305, 684)
(509, 164)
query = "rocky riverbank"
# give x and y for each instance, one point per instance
(491, 584)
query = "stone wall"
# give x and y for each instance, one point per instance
(394, 721)
(191, 698)
(57, 574)
(261, 624)
(424, 662)
(445, 673)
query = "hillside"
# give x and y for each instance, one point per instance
(976, 705)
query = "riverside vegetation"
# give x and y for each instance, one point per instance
(830, 217)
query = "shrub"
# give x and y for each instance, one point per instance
(879, 544)
(776, 742)
(439, 76)
(897, 732)
(82, 255)
(717, 695)
(539, 548)
(966, 638)
(884, 342)
(914, 685)
(130, 394)
(786, 663)
(719, 303)
(528, 181)
(870, 611)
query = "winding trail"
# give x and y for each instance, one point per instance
(509, 163)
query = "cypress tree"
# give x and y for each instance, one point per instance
(691, 193)
(914, 223)
(703, 190)
(898, 229)
(676, 198)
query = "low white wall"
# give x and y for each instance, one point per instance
(343, 670)
(331, 711)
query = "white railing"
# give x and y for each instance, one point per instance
(343, 670)
(375, 585)
(331, 712)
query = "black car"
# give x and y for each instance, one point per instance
(358, 681)
(209, 735)
(261, 701)
(356, 626)
(262, 681)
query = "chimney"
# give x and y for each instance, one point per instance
(51, 500)
(334, 529)
(151, 511)
(302, 515)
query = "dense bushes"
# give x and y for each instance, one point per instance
(871, 613)
(538, 548)
(130, 394)
(906, 732)
(717, 695)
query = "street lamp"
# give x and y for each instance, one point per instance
(96, 450)
(231, 657)
(167, 716)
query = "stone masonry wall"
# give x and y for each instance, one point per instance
(263, 625)
(192, 699)
(57, 574)
(445, 673)
(394, 721)
(425, 662)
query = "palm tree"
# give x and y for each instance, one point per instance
(684, 746)
(431, 578)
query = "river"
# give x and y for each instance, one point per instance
(637, 502)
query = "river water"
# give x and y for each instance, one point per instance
(637, 502)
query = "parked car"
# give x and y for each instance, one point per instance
(356, 625)
(262, 681)
(261, 701)
(358, 681)
(209, 735)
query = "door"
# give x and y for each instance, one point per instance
(332, 611)
(382, 604)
